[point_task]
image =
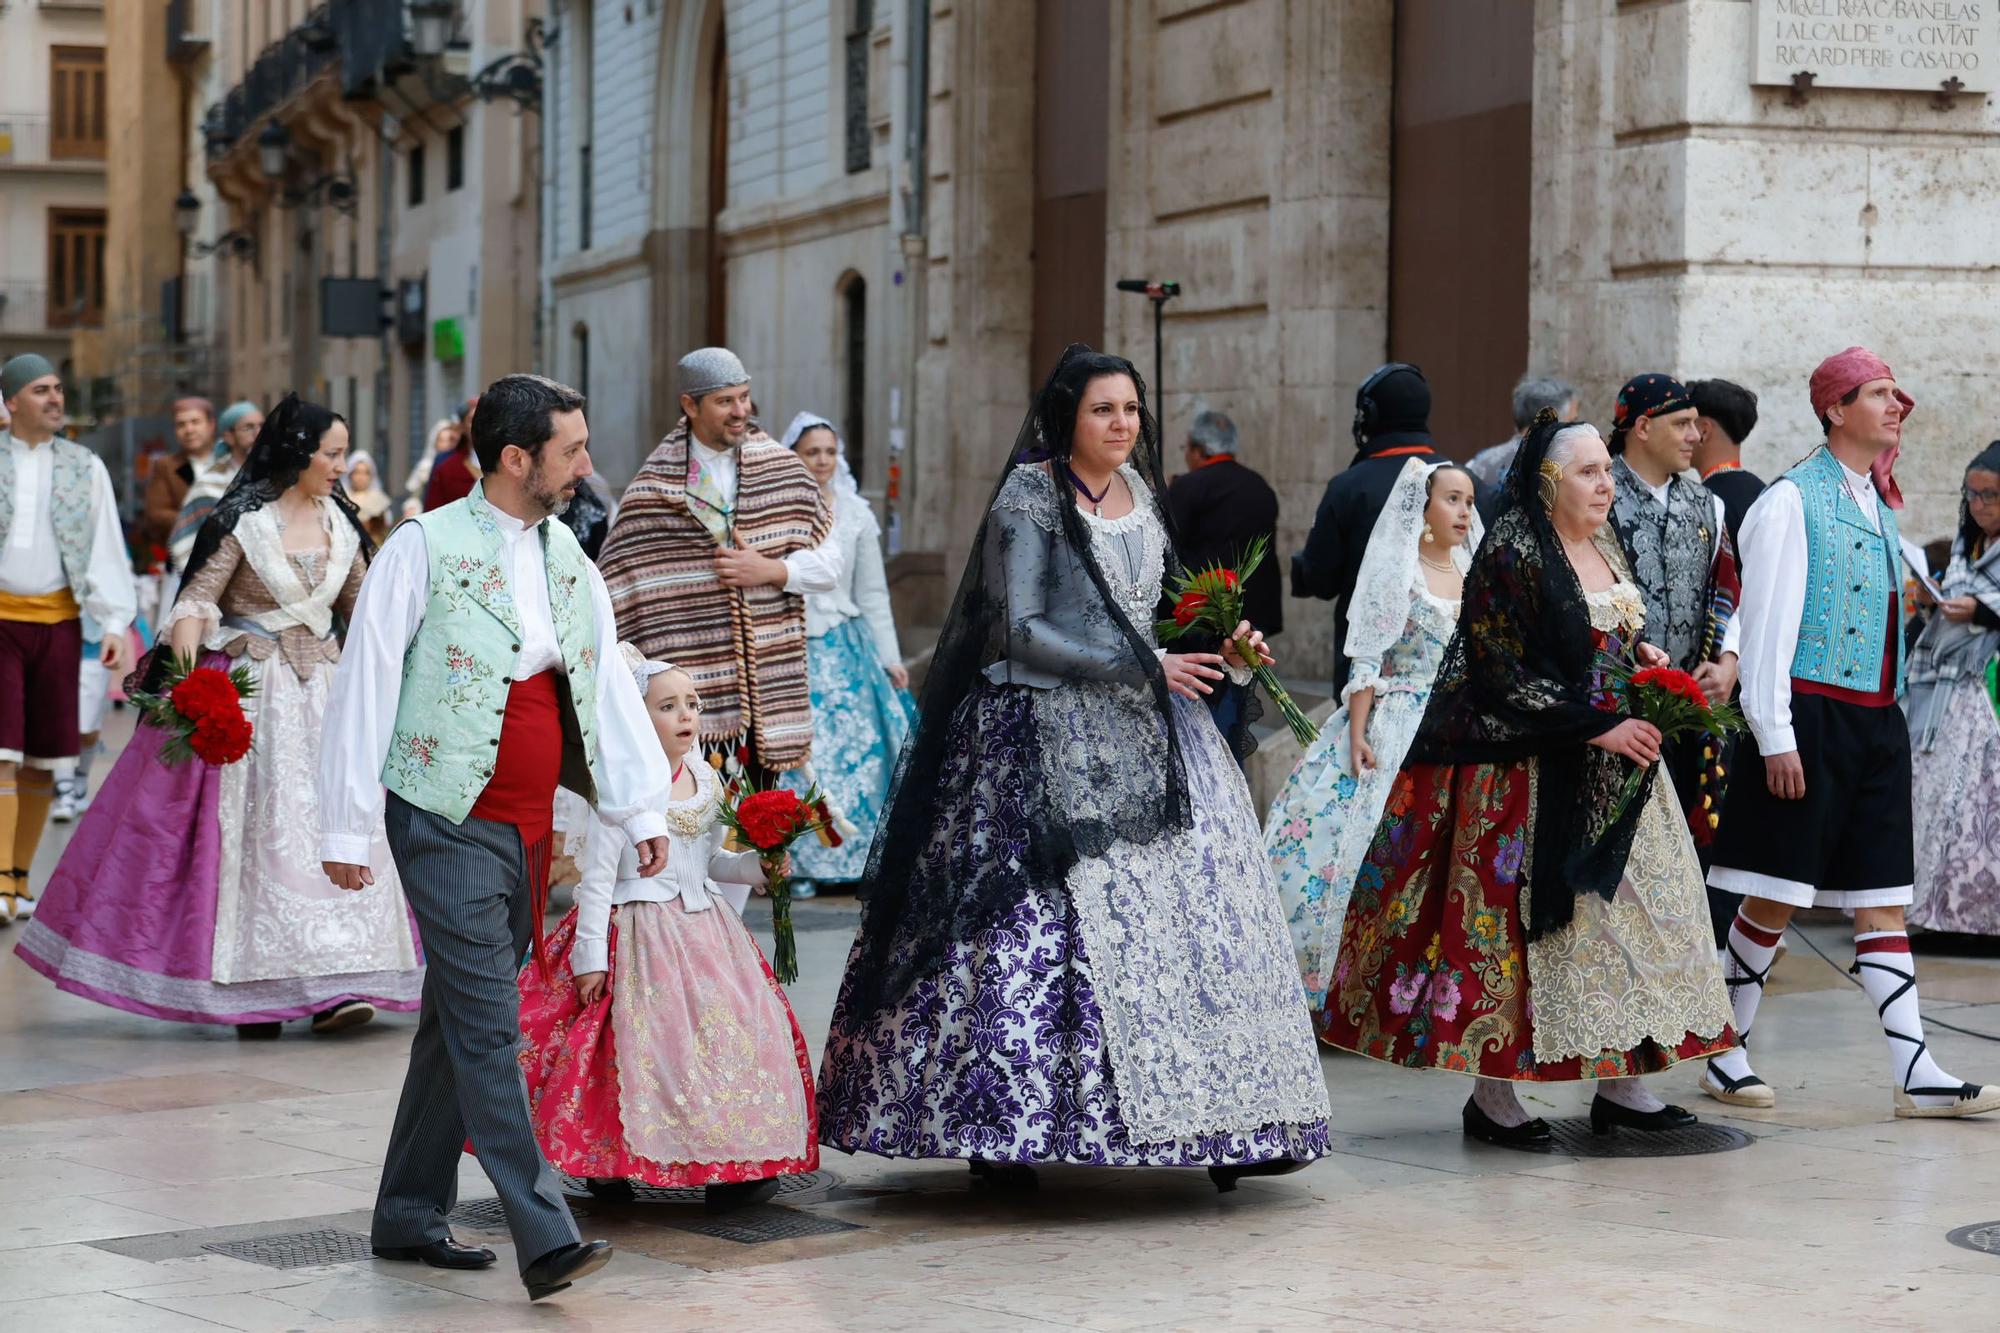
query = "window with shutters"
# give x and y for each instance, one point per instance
(76, 103)
(860, 18)
(76, 268)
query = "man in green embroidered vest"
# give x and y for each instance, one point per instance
(716, 543)
(470, 687)
(61, 553)
(1819, 811)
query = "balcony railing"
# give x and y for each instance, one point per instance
(364, 39)
(25, 142)
(23, 307)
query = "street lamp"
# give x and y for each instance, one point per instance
(431, 24)
(187, 217)
(274, 146)
(187, 212)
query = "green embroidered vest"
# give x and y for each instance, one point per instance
(70, 495)
(460, 664)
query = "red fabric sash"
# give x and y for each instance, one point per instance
(522, 790)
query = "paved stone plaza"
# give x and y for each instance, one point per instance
(131, 1148)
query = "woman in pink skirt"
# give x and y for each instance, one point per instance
(657, 1044)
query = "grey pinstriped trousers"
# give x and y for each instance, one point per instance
(468, 884)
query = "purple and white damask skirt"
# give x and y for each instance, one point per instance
(1021, 1046)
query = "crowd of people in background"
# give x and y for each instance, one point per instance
(1081, 941)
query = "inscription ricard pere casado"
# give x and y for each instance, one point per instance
(1914, 44)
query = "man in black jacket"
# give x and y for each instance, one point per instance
(1392, 412)
(1219, 507)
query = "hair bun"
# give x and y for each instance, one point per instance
(1545, 417)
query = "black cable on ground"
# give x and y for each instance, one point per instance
(1852, 980)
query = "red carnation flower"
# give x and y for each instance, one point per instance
(1229, 579)
(770, 818)
(1189, 608)
(1674, 681)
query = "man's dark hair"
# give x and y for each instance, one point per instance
(1848, 400)
(1730, 406)
(519, 410)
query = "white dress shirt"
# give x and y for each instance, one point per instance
(31, 564)
(1774, 599)
(1732, 633)
(631, 771)
(698, 872)
(811, 570)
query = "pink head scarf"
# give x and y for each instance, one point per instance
(1843, 373)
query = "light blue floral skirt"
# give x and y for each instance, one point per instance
(860, 722)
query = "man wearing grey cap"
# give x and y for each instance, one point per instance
(715, 545)
(61, 554)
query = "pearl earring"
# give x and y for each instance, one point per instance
(1429, 536)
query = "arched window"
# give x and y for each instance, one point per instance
(854, 358)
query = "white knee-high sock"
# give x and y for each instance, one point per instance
(1751, 948)
(1888, 973)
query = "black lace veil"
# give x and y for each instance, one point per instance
(919, 905)
(286, 444)
(1519, 681)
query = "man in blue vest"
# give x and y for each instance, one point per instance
(470, 687)
(1819, 811)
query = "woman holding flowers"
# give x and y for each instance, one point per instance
(1525, 911)
(1402, 614)
(192, 889)
(656, 1043)
(1071, 951)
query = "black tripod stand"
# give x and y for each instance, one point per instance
(1159, 293)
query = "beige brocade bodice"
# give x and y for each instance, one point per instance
(229, 585)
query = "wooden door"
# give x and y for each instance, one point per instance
(76, 103)
(76, 268)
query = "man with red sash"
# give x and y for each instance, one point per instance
(1819, 811)
(470, 687)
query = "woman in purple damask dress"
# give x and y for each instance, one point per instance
(1072, 951)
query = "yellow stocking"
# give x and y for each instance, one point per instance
(36, 788)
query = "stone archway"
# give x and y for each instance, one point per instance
(690, 135)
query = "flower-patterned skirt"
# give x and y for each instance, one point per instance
(689, 1069)
(1434, 970)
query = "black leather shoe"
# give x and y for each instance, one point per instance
(260, 1031)
(446, 1253)
(554, 1271)
(1004, 1175)
(1479, 1125)
(740, 1194)
(1225, 1177)
(1607, 1115)
(611, 1189)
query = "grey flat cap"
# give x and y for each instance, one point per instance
(707, 369)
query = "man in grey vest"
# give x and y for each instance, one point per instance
(469, 688)
(1674, 537)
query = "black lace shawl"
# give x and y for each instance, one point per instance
(1518, 681)
(920, 905)
(286, 444)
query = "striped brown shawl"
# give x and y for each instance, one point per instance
(745, 648)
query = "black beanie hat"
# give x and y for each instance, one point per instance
(1402, 409)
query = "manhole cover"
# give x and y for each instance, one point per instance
(1981, 1236)
(808, 1183)
(1573, 1138)
(765, 1222)
(297, 1249)
(486, 1214)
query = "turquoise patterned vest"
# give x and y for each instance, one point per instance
(70, 493)
(1853, 580)
(459, 666)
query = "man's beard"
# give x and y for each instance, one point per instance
(553, 502)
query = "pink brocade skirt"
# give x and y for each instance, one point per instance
(689, 1070)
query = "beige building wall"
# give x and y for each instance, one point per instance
(38, 175)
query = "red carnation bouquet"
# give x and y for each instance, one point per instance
(768, 821)
(1673, 701)
(201, 710)
(1211, 601)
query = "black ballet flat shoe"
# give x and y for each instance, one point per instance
(610, 1189)
(1479, 1125)
(1005, 1175)
(739, 1194)
(347, 1014)
(560, 1267)
(446, 1253)
(1225, 1177)
(260, 1031)
(1607, 1115)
